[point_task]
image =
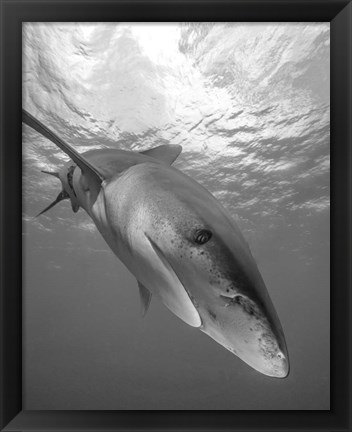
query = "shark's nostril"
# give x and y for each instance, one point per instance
(238, 299)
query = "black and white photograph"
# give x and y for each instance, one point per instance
(176, 215)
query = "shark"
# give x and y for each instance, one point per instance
(182, 246)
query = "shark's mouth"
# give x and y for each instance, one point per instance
(176, 296)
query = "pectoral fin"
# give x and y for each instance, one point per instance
(165, 153)
(146, 297)
(173, 293)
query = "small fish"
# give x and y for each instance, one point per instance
(179, 242)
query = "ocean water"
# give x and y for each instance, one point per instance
(249, 103)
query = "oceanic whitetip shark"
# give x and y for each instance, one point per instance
(179, 242)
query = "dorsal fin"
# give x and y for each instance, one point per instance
(86, 167)
(167, 153)
(146, 297)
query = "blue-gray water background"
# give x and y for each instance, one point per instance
(250, 105)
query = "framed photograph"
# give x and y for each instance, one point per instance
(169, 259)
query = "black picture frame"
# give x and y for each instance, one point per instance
(13, 13)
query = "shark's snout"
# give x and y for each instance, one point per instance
(244, 327)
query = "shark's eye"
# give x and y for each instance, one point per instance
(201, 236)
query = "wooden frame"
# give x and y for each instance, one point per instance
(13, 13)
